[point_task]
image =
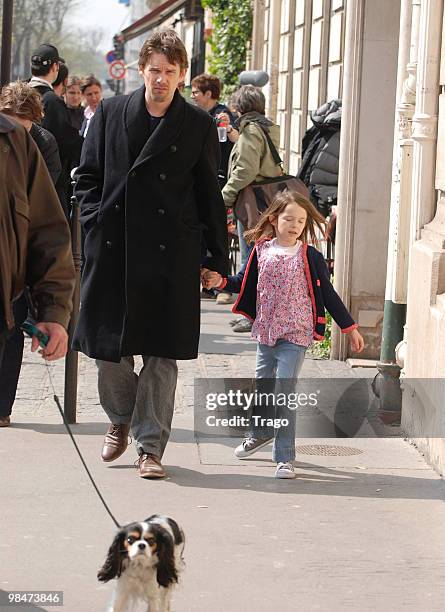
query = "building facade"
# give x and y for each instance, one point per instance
(315, 51)
(185, 16)
(422, 212)
(386, 60)
(300, 44)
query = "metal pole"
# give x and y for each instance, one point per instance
(387, 384)
(71, 360)
(5, 69)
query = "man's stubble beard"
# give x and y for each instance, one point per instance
(161, 97)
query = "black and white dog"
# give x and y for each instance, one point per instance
(146, 559)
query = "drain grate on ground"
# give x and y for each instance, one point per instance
(326, 449)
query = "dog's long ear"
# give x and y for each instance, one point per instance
(166, 569)
(112, 565)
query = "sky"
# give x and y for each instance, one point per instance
(109, 15)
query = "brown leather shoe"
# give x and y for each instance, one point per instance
(115, 442)
(5, 421)
(150, 466)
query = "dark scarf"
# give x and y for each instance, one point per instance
(253, 117)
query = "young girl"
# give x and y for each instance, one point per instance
(284, 288)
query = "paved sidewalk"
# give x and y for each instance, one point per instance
(362, 531)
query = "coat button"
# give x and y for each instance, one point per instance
(108, 244)
(162, 247)
(117, 208)
(161, 211)
(173, 148)
(133, 174)
(162, 176)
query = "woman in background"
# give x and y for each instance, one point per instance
(92, 95)
(251, 160)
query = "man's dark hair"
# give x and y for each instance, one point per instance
(208, 82)
(168, 43)
(41, 71)
(63, 74)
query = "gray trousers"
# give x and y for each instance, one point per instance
(146, 401)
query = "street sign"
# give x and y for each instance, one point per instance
(110, 56)
(117, 70)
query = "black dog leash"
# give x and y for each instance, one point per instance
(68, 428)
(31, 330)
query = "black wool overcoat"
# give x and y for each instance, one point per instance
(144, 206)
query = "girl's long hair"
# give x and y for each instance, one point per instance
(265, 229)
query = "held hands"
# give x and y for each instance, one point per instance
(58, 341)
(210, 279)
(356, 340)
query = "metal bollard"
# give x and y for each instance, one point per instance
(72, 357)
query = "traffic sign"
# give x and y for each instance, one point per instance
(117, 70)
(110, 56)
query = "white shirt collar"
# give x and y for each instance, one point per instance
(39, 81)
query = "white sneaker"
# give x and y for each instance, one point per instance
(285, 470)
(250, 446)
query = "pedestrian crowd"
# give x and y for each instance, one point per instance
(158, 179)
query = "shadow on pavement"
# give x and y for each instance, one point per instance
(79, 429)
(326, 481)
(99, 428)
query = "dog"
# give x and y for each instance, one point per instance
(146, 558)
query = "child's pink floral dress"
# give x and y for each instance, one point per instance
(284, 308)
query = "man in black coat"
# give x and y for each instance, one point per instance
(45, 62)
(147, 186)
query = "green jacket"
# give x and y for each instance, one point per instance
(251, 159)
(35, 242)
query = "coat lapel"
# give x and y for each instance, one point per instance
(166, 132)
(135, 118)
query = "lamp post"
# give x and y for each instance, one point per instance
(5, 68)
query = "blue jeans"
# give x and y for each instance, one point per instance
(243, 246)
(277, 370)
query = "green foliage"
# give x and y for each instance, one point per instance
(232, 30)
(322, 350)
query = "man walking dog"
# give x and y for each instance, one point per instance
(147, 186)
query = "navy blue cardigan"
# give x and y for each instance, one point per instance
(322, 293)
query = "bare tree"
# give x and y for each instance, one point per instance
(81, 51)
(35, 22)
